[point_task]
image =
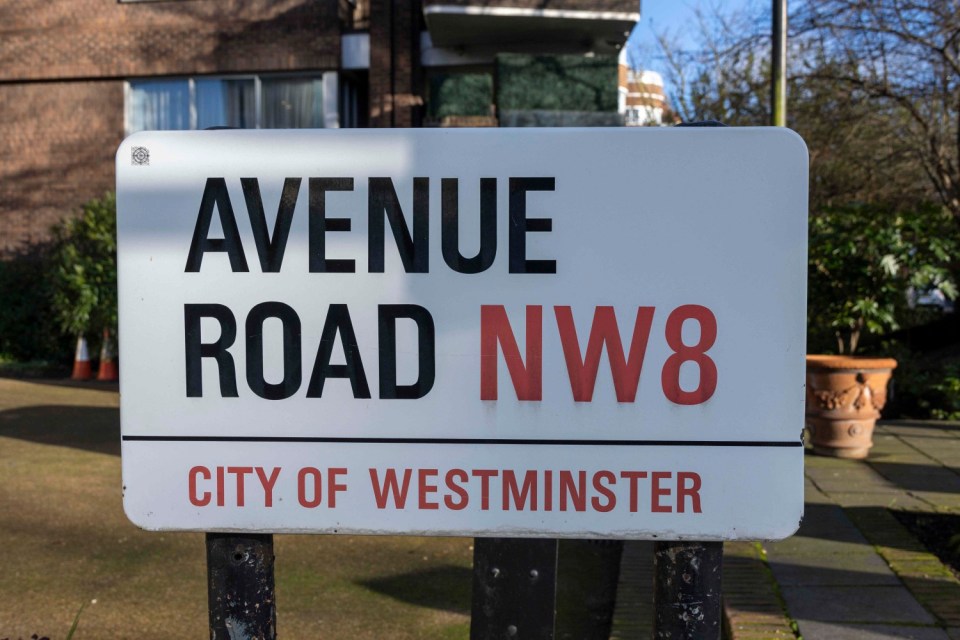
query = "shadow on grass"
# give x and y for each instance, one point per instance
(446, 587)
(63, 381)
(587, 575)
(94, 429)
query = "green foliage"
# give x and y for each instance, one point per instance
(863, 260)
(557, 83)
(76, 622)
(61, 291)
(84, 269)
(913, 379)
(28, 329)
(927, 390)
(460, 94)
(947, 391)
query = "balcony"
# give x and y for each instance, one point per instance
(531, 26)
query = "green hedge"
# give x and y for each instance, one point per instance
(28, 327)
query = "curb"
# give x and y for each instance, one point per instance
(752, 606)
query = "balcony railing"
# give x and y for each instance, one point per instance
(531, 25)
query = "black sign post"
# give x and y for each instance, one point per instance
(686, 597)
(241, 586)
(514, 589)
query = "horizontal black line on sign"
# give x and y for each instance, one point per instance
(509, 441)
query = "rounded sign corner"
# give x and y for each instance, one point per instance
(793, 140)
(136, 518)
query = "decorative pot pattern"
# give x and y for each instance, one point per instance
(844, 397)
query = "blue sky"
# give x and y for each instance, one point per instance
(675, 17)
(657, 16)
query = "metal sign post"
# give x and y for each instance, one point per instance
(241, 586)
(514, 589)
(686, 597)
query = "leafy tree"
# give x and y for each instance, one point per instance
(727, 78)
(857, 153)
(84, 266)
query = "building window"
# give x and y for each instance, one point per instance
(226, 102)
(291, 103)
(246, 102)
(158, 104)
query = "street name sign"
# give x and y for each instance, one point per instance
(507, 332)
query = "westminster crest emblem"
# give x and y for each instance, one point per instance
(140, 156)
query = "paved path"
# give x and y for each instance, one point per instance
(853, 571)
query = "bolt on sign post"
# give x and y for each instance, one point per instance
(554, 333)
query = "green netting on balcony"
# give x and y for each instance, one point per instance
(556, 83)
(459, 94)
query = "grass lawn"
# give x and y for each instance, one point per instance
(64, 541)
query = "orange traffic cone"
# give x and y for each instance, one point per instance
(108, 363)
(81, 361)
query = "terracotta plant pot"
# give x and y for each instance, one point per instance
(844, 397)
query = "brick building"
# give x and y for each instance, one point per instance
(642, 99)
(76, 76)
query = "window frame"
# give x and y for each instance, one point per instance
(329, 97)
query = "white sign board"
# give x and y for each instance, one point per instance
(513, 332)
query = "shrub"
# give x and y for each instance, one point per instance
(28, 328)
(84, 269)
(863, 262)
(947, 394)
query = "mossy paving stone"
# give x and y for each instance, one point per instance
(835, 570)
(814, 630)
(893, 605)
